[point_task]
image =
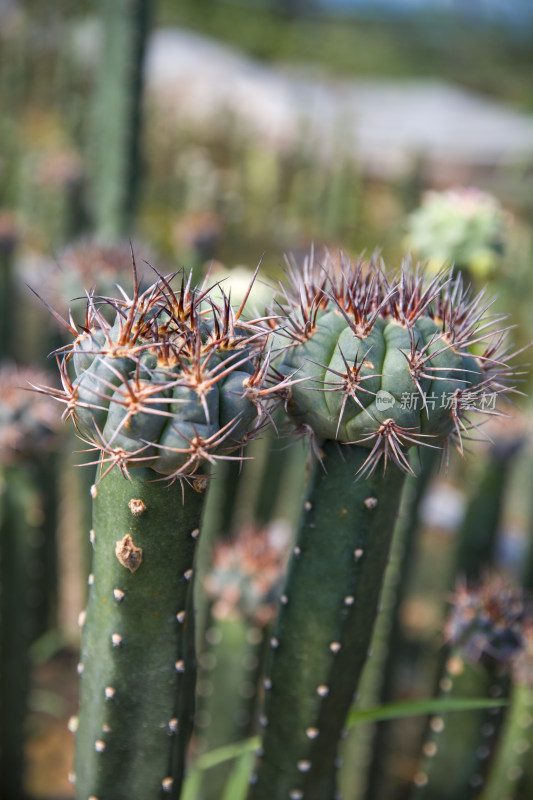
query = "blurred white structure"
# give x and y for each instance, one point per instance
(388, 126)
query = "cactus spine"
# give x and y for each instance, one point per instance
(381, 365)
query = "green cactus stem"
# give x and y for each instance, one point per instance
(116, 127)
(389, 629)
(478, 535)
(19, 560)
(514, 750)
(8, 241)
(325, 625)
(137, 665)
(458, 747)
(243, 586)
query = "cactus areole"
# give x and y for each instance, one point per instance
(378, 365)
(159, 385)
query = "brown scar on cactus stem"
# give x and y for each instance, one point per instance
(136, 506)
(128, 554)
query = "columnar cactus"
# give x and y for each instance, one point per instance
(478, 535)
(379, 365)
(160, 385)
(510, 767)
(28, 433)
(485, 633)
(8, 241)
(242, 587)
(117, 112)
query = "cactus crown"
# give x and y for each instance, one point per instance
(487, 622)
(28, 423)
(388, 363)
(167, 378)
(247, 573)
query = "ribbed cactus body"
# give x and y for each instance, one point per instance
(28, 553)
(243, 586)
(137, 680)
(173, 380)
(227, 686)
(419, 404)
(173, 415)
(324, 629)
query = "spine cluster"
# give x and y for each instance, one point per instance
(166, 379)
(387, 363)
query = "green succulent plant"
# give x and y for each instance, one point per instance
(484, 633)
(161, 385)
(377, 365)
(463, 226)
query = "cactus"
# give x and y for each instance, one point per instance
(484, 630)
(115, 144)
(463, 226)
(509, 767)
(382, 364)
(478, 535)
(243, 586)
(28, 427)
(8, 241)
(160, 385)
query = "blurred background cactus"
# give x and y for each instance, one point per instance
(213, 136)
(28, 553)
(464, 227)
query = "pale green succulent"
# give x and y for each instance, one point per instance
(463, 226)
